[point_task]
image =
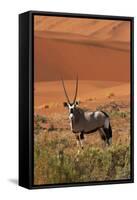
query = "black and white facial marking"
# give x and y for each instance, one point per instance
(72, 108)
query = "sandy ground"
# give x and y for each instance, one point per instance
(49, 96)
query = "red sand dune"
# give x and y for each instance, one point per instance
(91, 62)
(96, 29)
(95, 49)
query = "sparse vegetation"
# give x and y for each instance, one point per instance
(92, 164)
(111, 95)
(38, 122)
(90, 99)
(46, 106)
(55, 159)
(113, 106)
(51, 128)
(122, 114)
(115, 109)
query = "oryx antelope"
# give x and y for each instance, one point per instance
(86, 122)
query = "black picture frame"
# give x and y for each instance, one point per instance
(26, 100)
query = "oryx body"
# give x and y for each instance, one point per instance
(86, 122)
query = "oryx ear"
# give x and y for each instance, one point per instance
(77, 103)
(65, 104)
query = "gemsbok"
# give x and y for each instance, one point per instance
(86, 122)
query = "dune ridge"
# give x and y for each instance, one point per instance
(95, 49)
(91, 28)
(93, 62)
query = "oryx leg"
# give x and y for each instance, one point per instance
(78, 143)
(80, 137)
(103, 136)
(108, 132)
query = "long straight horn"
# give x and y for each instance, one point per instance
(76, 90)
(65, 90)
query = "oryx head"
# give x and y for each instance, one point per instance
(72, 106)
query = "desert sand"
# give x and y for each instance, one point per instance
(94, 29)
(95, 49)
(49, 96)
(54, 58)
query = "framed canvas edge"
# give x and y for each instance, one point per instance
(31, 14)
(24, 146)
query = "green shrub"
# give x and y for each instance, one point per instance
(121, 114)
(92, 164)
